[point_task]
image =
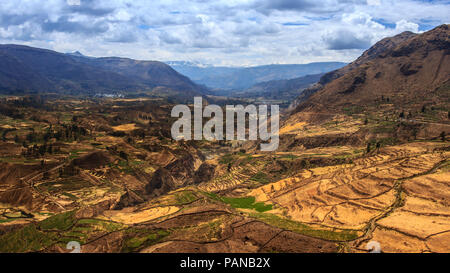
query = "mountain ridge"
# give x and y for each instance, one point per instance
(279, 89)
(51, 71)
(407, 68)
(241, 78)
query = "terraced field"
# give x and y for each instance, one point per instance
(397, 196)
(238, 176)
(117, 190)
(393, 193)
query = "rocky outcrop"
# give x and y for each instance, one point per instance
(93, 161)
(179, 173)
(204, 173)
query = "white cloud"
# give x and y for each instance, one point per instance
(373, 2)
(404, 25)
(73, 2)
(232, 32)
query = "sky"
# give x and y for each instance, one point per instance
(221, 32)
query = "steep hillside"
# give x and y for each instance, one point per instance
(150, 73)
(375, 51)
(408, 76)
(27, 69)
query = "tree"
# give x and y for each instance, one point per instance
(123, 155)
(50, 149)
(366, 121)
(415, 132)
(443, 136)
(46, 175)
(378, 145)
(304, 164)
(368, 147)
(31, 137)
(424, 108)
(42, 149)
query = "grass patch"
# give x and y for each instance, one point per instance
(227, 159)
(71, 196)
(242, 203)
(185, 197)
(141, 238)
(246, 160)
(332, 235)
(125, 167)
(6, 220)
(62, 221)
(383, 129)
(260, 177)
(86, 228)
(288, 156)
(65, 184)
(26, 239)
(388, 141)
(100, 225)
(353, 110)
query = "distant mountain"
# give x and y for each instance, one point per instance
(78, 54)
(279, 89)
(240, 78)
(406, 73)
(28, 69)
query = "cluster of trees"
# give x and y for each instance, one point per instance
(144, 117)
(69, 170)
(121, 154)
(387, 99)
(10, 112)
(71, 132)
(424, 110)
(67, 132)
(30, 101)
(403, 115)
(375, 145)
(40, 150)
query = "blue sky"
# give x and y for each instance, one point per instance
(222, 32)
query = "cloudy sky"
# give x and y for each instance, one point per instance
(222, 32)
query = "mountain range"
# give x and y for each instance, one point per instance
(286, 90)
(26, 69)
(241, 78)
